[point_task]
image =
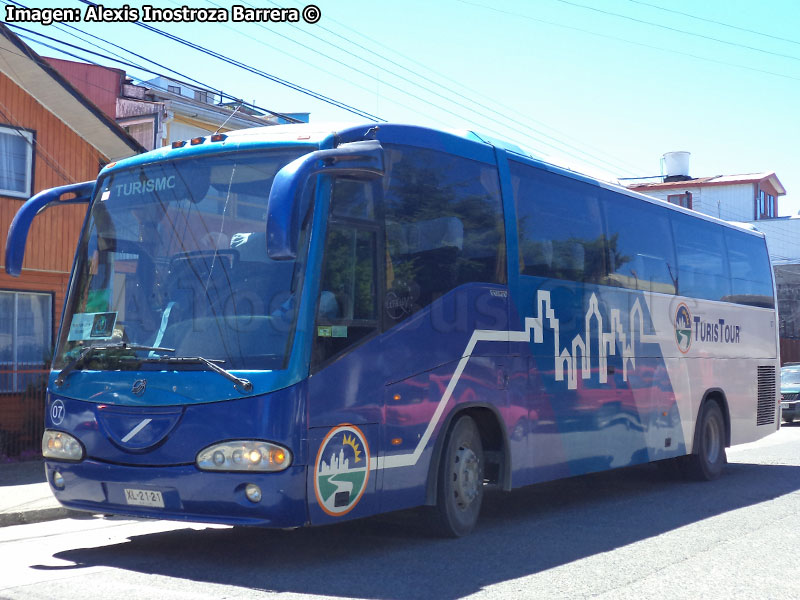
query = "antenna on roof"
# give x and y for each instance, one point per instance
(229, 117)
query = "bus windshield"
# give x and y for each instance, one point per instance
(174, 256)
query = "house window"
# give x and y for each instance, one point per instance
(26, 326)
(684, 200)
(201, 96)
(765, 206)
(175, 89)
(16, 162)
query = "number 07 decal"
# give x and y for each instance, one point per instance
(57, 412)
(341, 471)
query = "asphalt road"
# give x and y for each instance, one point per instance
(630, 533)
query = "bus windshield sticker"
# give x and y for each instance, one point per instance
(337, 331)
(95, 326)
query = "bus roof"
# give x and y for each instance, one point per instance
(316, 135)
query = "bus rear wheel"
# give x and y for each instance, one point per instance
(460, 483)
(708, 458)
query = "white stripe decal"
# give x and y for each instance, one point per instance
(135, 430)
(534, 331)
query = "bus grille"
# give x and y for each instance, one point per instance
(766, 396)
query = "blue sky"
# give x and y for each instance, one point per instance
(603, 85)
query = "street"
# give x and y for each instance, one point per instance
(631, 533)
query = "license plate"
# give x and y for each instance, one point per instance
(784, 405)
(144, 498)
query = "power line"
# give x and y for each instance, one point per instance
(429, 69)
(176, 38)
(675, 29)
(135, 66)
(537, 135)
(253, 70)
(515, 125)
(714, 22)
(359, 71)
(623, 40)
(293, 57)
(60, 50)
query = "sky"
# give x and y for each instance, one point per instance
(605, 87)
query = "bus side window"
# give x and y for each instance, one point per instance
(641, 251)
(702, 262)
(751, 272)
(444, 227)
(559, 225)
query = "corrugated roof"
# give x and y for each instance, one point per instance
(715, 180)
(30, 72)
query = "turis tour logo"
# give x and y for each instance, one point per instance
(342, 470)
(683, 328)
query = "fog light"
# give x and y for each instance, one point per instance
(58, 480)
(253, 492)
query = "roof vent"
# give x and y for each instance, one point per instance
(676, 166)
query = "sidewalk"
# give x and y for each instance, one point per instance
(25, 495)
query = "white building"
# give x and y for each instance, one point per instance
(192, 112)
(747, 197)
(750, 198)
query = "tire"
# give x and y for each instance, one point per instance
(708, 457)
(460, 483)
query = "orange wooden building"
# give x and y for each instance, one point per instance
(50, 135)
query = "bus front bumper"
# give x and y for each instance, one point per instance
(187, 494)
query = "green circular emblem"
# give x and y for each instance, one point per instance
(341, 471)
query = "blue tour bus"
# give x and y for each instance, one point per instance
(295, 325)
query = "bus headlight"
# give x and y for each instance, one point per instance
(61, 446)
(244, 455)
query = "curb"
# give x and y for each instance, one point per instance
(27, 517)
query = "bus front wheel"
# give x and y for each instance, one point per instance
(460, 485)
(708, 458)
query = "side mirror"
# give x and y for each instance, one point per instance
(18, 232)
(288, 205)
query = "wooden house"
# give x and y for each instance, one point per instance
(50, 135)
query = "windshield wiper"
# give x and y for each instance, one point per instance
(77, 362)
(240, 383)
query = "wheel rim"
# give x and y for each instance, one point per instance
(466, 477)
(713, 436)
